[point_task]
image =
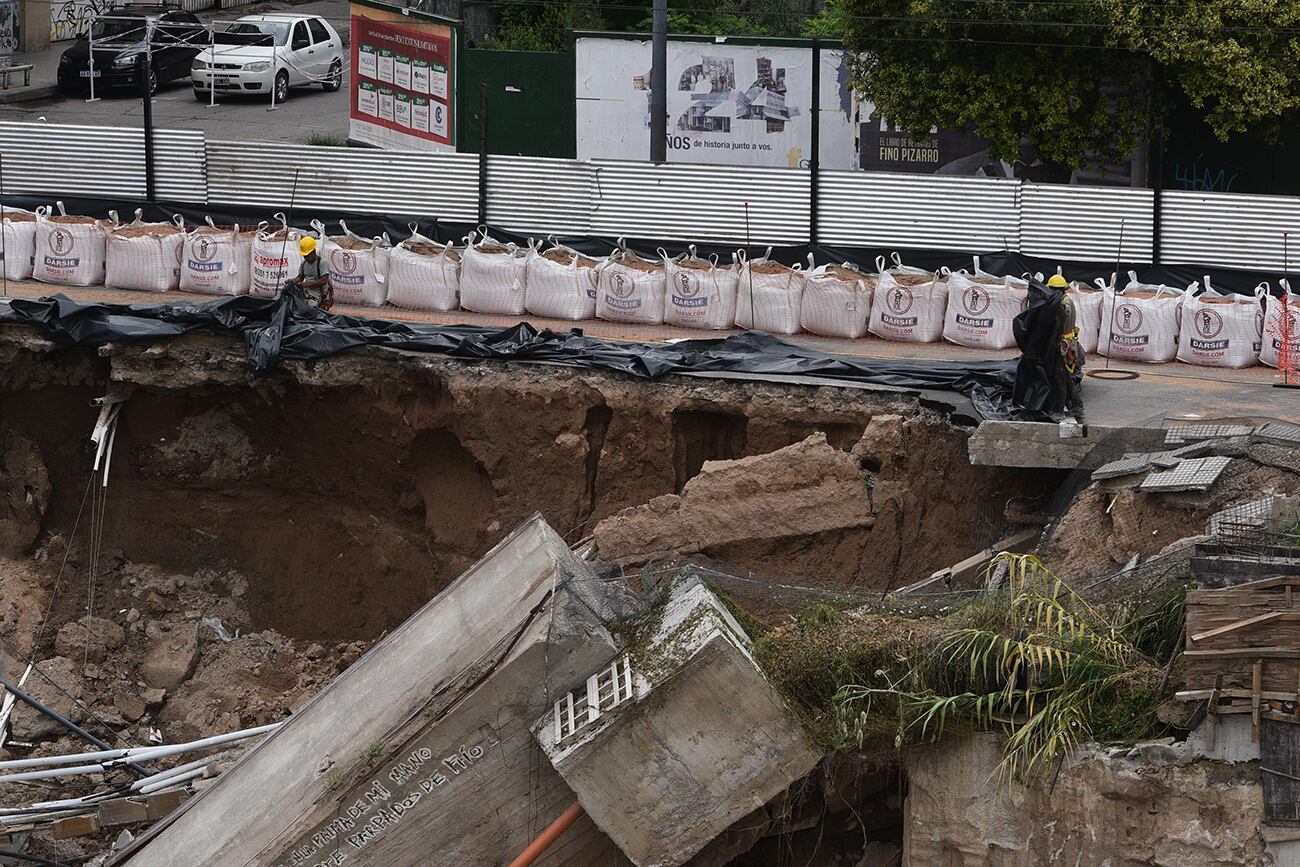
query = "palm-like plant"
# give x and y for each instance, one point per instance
(1041, 667)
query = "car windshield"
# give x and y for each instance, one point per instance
(253, 32)
(121, 27)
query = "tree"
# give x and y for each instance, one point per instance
(1076, 80)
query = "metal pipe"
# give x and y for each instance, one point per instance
(482, 152)
(31, 859)
(549, 836)
(141, 753)
(46, 773)
(143, 66)
(165, 776)
(63, 721)
(814, 161)
(174, 781)
(659, 83)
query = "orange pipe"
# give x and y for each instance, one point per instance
(549, 836)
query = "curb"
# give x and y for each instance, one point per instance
(29, 94)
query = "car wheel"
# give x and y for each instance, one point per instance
(335, 80)
(200, 95)
(153, 81)
(281, 86)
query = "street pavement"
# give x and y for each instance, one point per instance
(309, 112)
(1176, 391)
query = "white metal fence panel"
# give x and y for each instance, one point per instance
(540, 196)
(101, 161)
(1084, 222)
(730, 204)
(1229, 229)
(351, 179)
(934, 211)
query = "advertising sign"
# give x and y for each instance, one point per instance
(401, 93)
(727, 104)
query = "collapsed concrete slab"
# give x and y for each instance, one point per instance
(421, 752)
(670, 744)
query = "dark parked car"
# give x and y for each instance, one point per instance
(121, 35)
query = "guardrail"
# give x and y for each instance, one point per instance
(729, 204)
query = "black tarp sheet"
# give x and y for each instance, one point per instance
(998, 262)
(288, 329)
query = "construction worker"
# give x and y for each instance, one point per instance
(1072, 357)
(314, 275)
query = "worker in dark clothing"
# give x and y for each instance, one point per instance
(1049, 372)
(1072, 356)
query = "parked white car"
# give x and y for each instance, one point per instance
(265, 54)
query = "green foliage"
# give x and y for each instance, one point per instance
(328, 141)
(541, 26)
(1039, 665)
(1077, 80)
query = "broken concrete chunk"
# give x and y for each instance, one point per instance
(798, 491)
(90, 638)
(59, 686)
(173, 657)
(129, 704)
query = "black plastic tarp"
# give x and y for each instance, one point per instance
(998, 262)
(288, 329)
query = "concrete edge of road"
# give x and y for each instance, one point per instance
(29, 94)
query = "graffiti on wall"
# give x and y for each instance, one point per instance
(70, 17)
(8, 27)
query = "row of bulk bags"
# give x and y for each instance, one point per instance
(1273, 330)
(358, 267)
(17, 243)
(908, 304)
(1217, 330)
(218, 260)
(144, 256)
(70, 250)
(424, 274)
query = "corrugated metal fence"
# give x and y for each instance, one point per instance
(731, 204)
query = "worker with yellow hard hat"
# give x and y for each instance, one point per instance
(1072, 356)
(314, 275)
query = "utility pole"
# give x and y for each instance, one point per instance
(142, 73)
(659, 84)
(814, 160)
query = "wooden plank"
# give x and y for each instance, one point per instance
(1256, 678)
(123, 811)
(1203, 694)
(1241, 624)
(1212, 713)
(76, 826)
(162, 803)
(1264, 652)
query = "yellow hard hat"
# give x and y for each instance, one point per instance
(307, 245)
(1056, 281)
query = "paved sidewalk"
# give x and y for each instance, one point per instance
(1176, 390)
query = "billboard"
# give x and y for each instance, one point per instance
(403, 86)
(727, 104)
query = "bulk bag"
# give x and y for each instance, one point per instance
(144, 256)
(423, 274)
(276, 259)
(70, 250)
(218, 260)
(981, 308)
(1087, 312)
(769, 296)
(701, 293)
(836, 301)
(630, 289)
(18, 247)
(1220, 330)
(1141, 323)
(560, 283)
(492, 277)
(1273, 324)
(908, 304)
(358, 266)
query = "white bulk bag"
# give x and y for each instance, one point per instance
(981, 308)
(217, 260)
(769, 296)
(1220, 330)
(70, 250)
(1087, 312)
(1140, 323)
(560, 283)
(18, 247)
(630, 289)
(701, 293)
(836, 301)
(423, 274)
(276, 259)
(492, 277)
(358, 267)
(144, 256)
(908, 304)
(1273, 324)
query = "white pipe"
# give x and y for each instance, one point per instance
(175, 781)
(138, 753)
(139, 785)
(75, 770)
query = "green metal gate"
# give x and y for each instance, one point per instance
(530, 105)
